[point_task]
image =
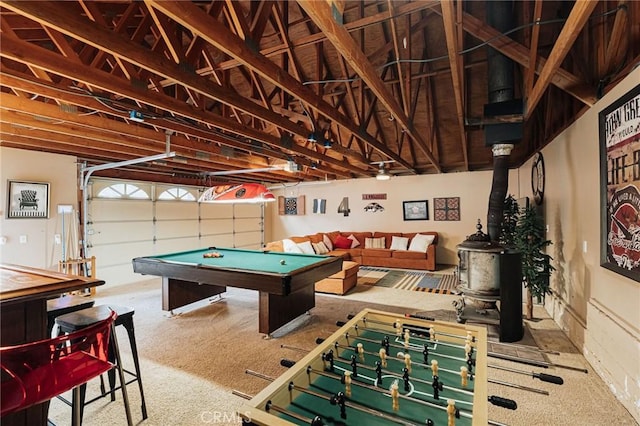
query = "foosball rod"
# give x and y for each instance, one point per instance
(306, 420)
(433, 342)
(496, 382)
(420, 364)
(349, 404)
(535, 362)
(543, 377)
(408, 326)
(493, 399)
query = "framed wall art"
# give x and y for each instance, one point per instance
(446, 208)
(27, 200)
(619, 128)
(415, 210)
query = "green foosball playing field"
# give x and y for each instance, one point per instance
(381, 369)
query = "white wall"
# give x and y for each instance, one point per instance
(472, 187)
(59, 171)
(598, 309)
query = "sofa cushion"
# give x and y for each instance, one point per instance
(420, 242)
(410, 235)
(299, 239)
(387, 237)
(406, 254)
(306, 247)
(327, 241)
(342, 242)
(372, 252)
(333, 235)
(354, 241)
(290, 246)
(340, 253)
(374, 243)
(360, 236)
(274, 246)
(320, 248)
(399, 243)
(315, 238)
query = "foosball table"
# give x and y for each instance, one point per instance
(381, 368)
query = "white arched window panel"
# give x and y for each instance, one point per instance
(178, 194)
(123, 190)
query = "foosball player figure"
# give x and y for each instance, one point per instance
(425, 354)
(383, 357)
(385, 344)
(405, 377)
(339, 400)
(354, 366)
(434, 367)
(395, 404)
(451, 412)
(407, 362)
(328, 357)
(360, 352)
(437, 387)
(432, 333)
(470, 363)
(464, 375)
(317, 421)
(347, 383)
(378, 373)
(407, 337)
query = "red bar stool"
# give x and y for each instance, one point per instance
(74, 321)
(35, 372)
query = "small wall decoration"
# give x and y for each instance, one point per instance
(374, 196)
(27, 200)
(291, 206)
(319, 205)
(344, 206)
(446, 208)
(415, 210)
(620, 185)
(373, 207)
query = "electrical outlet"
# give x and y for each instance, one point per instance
(3, 241)
(58, 239)
(584, 246)
(23, 239)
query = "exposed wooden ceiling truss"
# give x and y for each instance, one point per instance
(236, 88)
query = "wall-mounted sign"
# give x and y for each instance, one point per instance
(374, 196)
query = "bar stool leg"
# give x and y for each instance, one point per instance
(76, 417)
(125, 396)
(134, 351)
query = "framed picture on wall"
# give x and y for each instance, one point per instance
(415, 210)
(619, 126)
(27, 200)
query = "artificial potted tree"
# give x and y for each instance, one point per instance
(529, 239)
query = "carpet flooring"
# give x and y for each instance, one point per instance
(429, 282)
(194, 364)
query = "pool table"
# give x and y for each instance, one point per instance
(285, 280)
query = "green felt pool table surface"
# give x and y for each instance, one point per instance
(249, 260)
(285, 281)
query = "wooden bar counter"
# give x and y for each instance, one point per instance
(23, 316)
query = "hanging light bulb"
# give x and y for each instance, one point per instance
(383, 174)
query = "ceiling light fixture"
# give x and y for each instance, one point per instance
(240, 193)
(327, 144)
(312, 137)
(383, 174)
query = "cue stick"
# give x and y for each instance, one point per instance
(536, 363)
(366, 367)
(543, 377)
(526, 347)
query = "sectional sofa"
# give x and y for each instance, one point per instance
(383, 249)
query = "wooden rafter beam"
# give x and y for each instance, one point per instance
(617, 39)
(448, 17)
(533, 49)
(520, 54)
(572, 27)
(344, 43)
(198, 22)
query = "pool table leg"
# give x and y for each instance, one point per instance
(177, 293)
(275, 311)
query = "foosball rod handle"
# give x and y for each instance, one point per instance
(350, 316)
(340, 323)
(549, 378)
(503, 402)
(319, 340)
(287, 362)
